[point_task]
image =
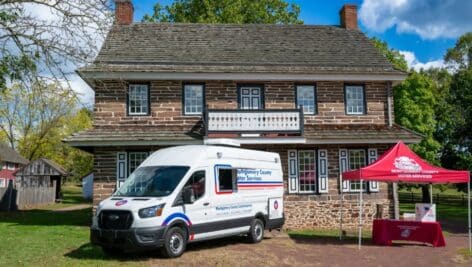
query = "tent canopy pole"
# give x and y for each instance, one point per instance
(360, 216)
(469, 219)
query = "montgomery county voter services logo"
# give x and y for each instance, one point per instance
(276, 204)
(407, 164)
(121, 203)
(405, 233)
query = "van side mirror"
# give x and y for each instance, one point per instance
(188, 195)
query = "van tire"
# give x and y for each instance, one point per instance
(175, 242)
(256, 232)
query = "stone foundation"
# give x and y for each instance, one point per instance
(306, 214)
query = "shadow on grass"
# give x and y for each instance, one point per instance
(81, 217)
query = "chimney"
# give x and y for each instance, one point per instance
(348, 16)
(124, 12)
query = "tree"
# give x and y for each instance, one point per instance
(227, 11)
(49, 38)
(392, 55)
(36, 120)
(461, 53)
(457, 134)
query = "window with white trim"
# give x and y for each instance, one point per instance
(138, 99)
(306, 171)
(193, 99)
(356, 159)
(11, 166)
(3, 182)
(355, 99)
(135, 159)
(306, 98)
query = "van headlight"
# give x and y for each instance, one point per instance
(151, 211)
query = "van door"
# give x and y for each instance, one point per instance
(227, 211)
(197, 211)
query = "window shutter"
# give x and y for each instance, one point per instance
(292, 171)
(343, 161)
(372, 152)
(121, 168)
(323, 171)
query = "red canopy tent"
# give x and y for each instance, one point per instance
(400, 164)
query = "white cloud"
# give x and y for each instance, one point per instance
(414, 63)
(84, 92)
(430, 19)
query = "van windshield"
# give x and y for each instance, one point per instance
(154, 181)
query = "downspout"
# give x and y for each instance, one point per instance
(396, 208)
(389, 104)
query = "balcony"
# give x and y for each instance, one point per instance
(278, 121)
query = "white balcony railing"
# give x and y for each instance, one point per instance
(254, 121)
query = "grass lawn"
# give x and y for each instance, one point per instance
(44, 237)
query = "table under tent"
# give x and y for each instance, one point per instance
(401, 165)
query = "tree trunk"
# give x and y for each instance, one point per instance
(425, 192)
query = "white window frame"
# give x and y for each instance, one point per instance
(132, 158)
(355, 101)
(193, 102)
(300, 170)
(3, 182)
(10, 166)
(365, 184)
(301, 100)
(141, 97)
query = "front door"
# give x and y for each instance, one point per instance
(251, 97)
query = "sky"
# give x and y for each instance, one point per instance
(422, 30)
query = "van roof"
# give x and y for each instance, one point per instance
(196, 154)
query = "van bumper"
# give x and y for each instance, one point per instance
(275, 223)
(134, 239)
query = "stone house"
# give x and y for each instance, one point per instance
(320, 96)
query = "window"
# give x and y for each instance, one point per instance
(306, 98)
(3, 182)
(357, 159)
(227, 180)
(138, 99)
(197, 182)
(354, 99)
(135, 159)
(307, 171)
(193, 99)
(251, 96)
(3, 166)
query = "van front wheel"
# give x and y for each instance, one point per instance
(256, 232)
(175, 242)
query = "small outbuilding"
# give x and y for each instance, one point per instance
(42, 173)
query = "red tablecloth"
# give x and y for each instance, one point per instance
(384, 231)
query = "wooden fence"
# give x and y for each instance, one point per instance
(13, 198)
(411, 197)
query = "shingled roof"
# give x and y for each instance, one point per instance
(165, 47)
(9, 155)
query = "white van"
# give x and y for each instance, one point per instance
(192, 193)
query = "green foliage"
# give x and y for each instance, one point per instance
(227, 11)
(461, 53)
(36, 120)
(394, 56)
(414, 109)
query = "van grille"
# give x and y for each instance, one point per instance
(115, 220)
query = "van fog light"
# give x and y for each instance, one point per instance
(153, 211)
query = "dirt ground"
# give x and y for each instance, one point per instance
(279, 249)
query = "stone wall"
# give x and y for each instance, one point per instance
(166, 103)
